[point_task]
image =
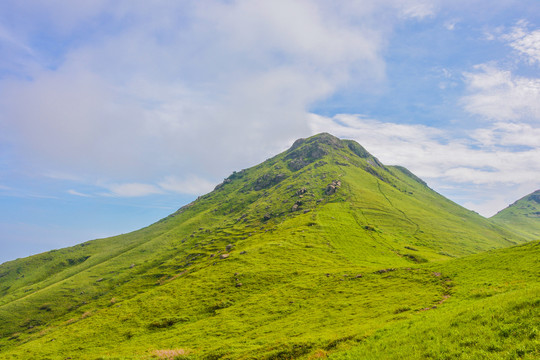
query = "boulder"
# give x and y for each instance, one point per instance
(332, 187)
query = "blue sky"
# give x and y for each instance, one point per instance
(113, 114)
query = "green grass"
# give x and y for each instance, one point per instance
(360, 256)
(493, 313)
(523, 216)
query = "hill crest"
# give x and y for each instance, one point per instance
(522, 216)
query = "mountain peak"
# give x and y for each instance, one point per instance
(306, 151)
(321, 138)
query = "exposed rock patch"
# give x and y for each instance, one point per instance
(268, 180)
(297, 164)
(382, 271)
(219, 186)
(535, 197)
(332, 187)
(304, 152)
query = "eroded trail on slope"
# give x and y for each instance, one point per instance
(401, 211)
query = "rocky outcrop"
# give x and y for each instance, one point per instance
(535, 197)
(304, 152)
(268, 180)
(219, 186)
(332, 187)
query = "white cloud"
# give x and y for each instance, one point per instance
(525, 42)
(450, 25)
(416, 9)
(192, 185)
(76, 193)
(174, 86)
(497, 94)
(508, 134)
(132, 190)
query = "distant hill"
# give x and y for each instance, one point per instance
(312, 250)
(523, 216)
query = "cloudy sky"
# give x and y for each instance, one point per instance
(113, 114)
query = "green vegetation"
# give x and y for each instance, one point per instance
(320, 251)
(493, 313)
(523, 216)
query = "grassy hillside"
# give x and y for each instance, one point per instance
(493, 312)
(310, 251)
(523, 216)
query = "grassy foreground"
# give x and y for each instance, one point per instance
(482, 306)
(493, 313)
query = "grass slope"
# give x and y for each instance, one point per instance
(523, 216)
(314, 249)
(493, 313)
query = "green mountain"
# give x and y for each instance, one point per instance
(307, 255)
(523, 216)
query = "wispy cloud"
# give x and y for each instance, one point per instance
(508, 134)
(526, 42)
(418, 9)
(497, 94)
(450, 25)
(192, 185)
(132, 190)
(76, 193)
(8, 38)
